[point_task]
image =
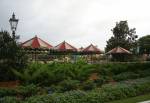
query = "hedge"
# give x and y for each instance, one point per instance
(9, 99)
(106, 93)
(55, 73)
(23, 91)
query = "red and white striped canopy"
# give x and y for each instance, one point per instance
(92, 48)
(119, 50)
(64, 46)
(36, 43)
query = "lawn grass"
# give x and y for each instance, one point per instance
(133, 99)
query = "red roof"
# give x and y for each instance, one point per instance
(92, 48)
(36, 43)
(64, 46)
(119, 50)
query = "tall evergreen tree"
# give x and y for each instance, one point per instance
(11, 55)
(122, 36)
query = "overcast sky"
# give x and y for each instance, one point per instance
(79, 22)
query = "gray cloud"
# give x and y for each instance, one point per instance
(79, 22)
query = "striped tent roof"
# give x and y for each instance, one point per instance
(119, 50)
(36, 42)
(92, 48)
(64, 46)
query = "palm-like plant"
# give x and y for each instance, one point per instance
(35, 73)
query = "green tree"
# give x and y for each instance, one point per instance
(144, 44)
(11, 55)
(122, 36)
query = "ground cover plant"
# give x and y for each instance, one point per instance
(134, 99)
(62, 77)
(106, 93)
(78, 82)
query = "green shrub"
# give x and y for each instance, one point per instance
(23, 91)
(27, 91)
(40, 99)
(56, 73)
(9, 100)
(107, 92)
(88, 85)
(70, 97)
(144, 73)
(100, 81)
(125, 76)
(68, 85)
(67, 97)
(7, 92)
(117, 68)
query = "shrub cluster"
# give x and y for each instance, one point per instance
(22, 91)
(9, 99)
(7, 92)
(107, 93)
(61, 77)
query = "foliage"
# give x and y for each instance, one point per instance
(144, 44)
(27, 91)
(126, 75)
(23, 91)
(67, 97)
(8, 99)
(7, 92)
(132, 75)
(134, 99)
(88, 85)
(67, 76)
(68, 85)
(104, 94)
(48, 74)
(11, 56)
(122, 36)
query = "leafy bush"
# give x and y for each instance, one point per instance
(49, 74)
(68, 85)
(56, 73)
(7, 92)
(104, 94)
(67, 97)
(11, 56)
(23, 91)
(27, 91)
(9, 100)
(125, 76)
(40, 99)
(100, 81)
(88, 85)
(117, 68)
(144, 73)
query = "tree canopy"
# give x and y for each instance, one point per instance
(11, 55)
(122, 36)
(144, 44)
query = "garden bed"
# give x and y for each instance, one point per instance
(10, 84)
(106, 93)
